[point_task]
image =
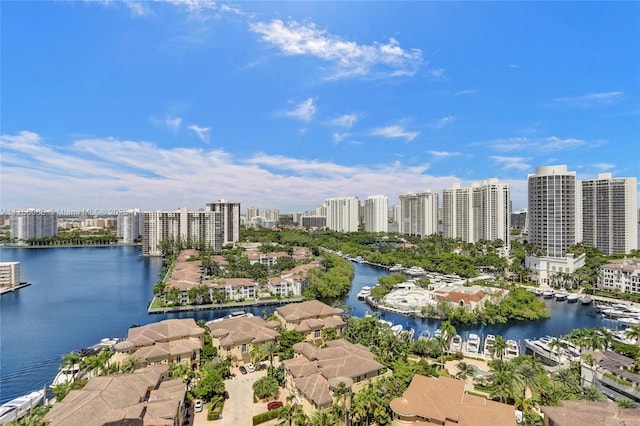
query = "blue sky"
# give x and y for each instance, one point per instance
(157, 105)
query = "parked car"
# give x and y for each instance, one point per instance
(243, 370)
(198, 405)
(274, 404)
(250, 368)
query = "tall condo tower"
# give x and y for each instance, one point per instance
(554, 216)
(376, 213)
(419, 213)
(609, 213)
(130, 225)
(33, 223)
(457, 219)
(342, 214)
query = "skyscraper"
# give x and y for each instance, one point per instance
(342, 214)
(609, 213)
(130, 225)
(554, 220)
(376, 213)
(419, 213)
(33, 223)
(457, 219)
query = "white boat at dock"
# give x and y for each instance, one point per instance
(19, 407)
(489, 341)
(396, 268)
(424, 335)
(561, 296)
(572, 298)
(548, 294)
(473, 344)
(542, 348)
(512, 350)
(397, 329)
(66, 375)
(408, 332)
(456, 343)
(364, 292)
(586, 300)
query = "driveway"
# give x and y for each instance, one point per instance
(238, 409)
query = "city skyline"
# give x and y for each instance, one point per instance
(160, 105)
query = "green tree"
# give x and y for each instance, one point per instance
(265, 387)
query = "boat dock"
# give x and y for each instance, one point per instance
(220, 306)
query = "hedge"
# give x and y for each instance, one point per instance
(266, 416)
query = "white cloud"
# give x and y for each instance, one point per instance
(345, 121)
(514, 66)
(466, 92)
(348, 58)
(517, 163)
(138, 8)
(437, 74)
(591, 99)
(303, 112)
(394, 132)
(339, 137)
(443, 121)
(603, 167)
(202, 132)
(173, 122)
(444, 154)
(112, 173)
(548, 144)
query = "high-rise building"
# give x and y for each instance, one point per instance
(418, 213)
(609, 213)
(342, 214)
(252, 212)
(519, 220)
(480, 212)
(9, 274)
(216, 226)
(554, 215)
(33, 223)
(130, 225)
(376, 214)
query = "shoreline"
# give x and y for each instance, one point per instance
(16, 246)
(221, 306)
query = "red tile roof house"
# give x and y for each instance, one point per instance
(314, 373)
(164, 342)
(442, 401)
(310, 318)
(236, 337)
(582, 413)
(468, 297)
(143, 398)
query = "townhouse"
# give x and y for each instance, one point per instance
(235, 338)
(310, 318)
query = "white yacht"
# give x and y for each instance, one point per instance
(572, 298)
(548, 294)
(66, 375)
(488, 345)
(397, 329)
(424, 335)
(473, 344)
(542, 348)
(456, 343)
(19, 407)
(364, 292)
(512, 350)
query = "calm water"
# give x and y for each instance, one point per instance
(81, 295)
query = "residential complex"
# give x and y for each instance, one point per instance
(610, 214)
(621, 275)
(216, 226)
(310, 319)
(9, 274)
(480, 212)
(130, 226)
(342, 214)
(235, 338)
(33, 223)
(418, 214)
(376, 213)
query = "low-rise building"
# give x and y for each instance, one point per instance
(544, 267)
(443, 401)
(141, 398)
(310, 318)
(611, 373)
(9, 274)
(581, 413)
(620, 274)
(235, 338)
(164, 342)
(314, 373)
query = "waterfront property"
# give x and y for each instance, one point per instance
(144, 397)
(9, 274)
(314, 373)
(310, 318)
(581, 413)
(235, 338)
(442, 400)
(620, 275)
(164, 342)
(612, 374)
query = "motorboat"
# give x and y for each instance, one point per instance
(408, 332)
(542, 348)
(512, 350)
(396, 268)
(424, 335)
(489, 341)
(572, 298)
(561, 296)
(473, 344)
(19, 407)
(364, 292)
(456, 343)
(66, 375)
(548, 294)
(437, 334)
(397, 329)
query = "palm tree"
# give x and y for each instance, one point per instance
(130, 366)
(287, 414)
(324, 418)
(465, 370)
(71, 359)
(625, 403)
(269, 348)
(499, 345)
(527, 378)
(342, 395)
(633, 332)
(301, 419)
(592, 393)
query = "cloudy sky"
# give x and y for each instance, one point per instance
(162, 104)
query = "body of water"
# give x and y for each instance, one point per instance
(80, 295)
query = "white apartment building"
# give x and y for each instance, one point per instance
(376, 213)
(554, 214)
(342, 214)
(457, 219)
(620, 274)
(251, 213)
(9, 274)
(33, 223)
(216, 226)
(130, 225)
(609, 213)
(418, 213)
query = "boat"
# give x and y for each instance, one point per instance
(561, 296)
(627, 321)
(408, 332)
(542, 348)
(548, 294)
(396, 268)
(359, 259)
(397, 329)
(572, 298)
(437, 334)
(364, 292)
(512, 349)
(456, 343)
(586, 300)
(66, 375)
(424, 335)
(488, 345)
(473, 344)
(19, 407)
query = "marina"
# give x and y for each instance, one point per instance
(17, 408)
